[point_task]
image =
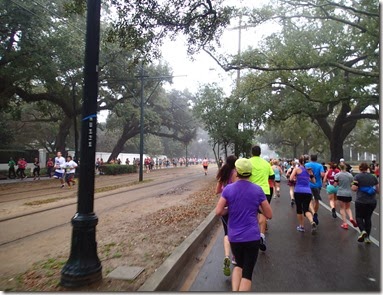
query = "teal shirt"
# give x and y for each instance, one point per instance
(11, 164)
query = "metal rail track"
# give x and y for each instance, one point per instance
(189, 179)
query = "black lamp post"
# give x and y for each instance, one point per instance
(83, 266)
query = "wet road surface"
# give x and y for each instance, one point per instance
(330, 261)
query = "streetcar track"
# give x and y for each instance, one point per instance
(190, 180)
(123, 181)
(75, 202)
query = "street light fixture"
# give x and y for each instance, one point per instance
(83, 266)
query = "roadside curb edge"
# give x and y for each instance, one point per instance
(168, 272)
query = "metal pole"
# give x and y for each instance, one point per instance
(141, 173)
(83, 266)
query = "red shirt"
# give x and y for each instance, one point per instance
(330, 175)
(22, 164)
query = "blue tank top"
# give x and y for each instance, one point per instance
(303, 182)
(277, 174)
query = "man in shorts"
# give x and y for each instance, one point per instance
(260, 175)
(59, 168)
(70, 170)
(318, 172)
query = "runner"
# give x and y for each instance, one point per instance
(59, 171)
(319, 173)
(366, 186)
(260, 175)
(343, 181)
(22, 165)
(330, 188)
(225, 176)
(302, 194)
(70, 170)
(50, 166)
(242, 199)
(205, 164)
(277, 181)
(36, 169)
(291, 183)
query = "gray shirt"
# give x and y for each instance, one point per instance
(344, 180)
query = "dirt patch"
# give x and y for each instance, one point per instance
(142, 235)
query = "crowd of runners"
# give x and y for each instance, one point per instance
(247, 186)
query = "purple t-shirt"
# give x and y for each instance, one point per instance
(243, 199)
(303, 182)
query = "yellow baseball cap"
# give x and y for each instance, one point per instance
(243, 167)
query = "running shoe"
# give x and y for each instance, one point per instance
(226, 266)
(292, 202)
(262, 245)
(362, 236)
(313, 227)
(62, 185)
(333, 212)
(344, 225)
(274, 197)
(315, 218)
(300, 228)
(353, 222)
(367, 240)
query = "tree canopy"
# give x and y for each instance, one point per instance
(321, 65)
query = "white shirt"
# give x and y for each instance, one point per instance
(70, 167)
(59, 162)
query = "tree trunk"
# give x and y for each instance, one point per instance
(126, 134)
(60, 142)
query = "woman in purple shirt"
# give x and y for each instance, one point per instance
(242, 200)
(302, 194)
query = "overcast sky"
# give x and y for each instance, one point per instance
(204, 69)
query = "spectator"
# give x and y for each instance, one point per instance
(11, 169)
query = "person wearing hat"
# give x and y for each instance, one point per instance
(242, 200)
(348, 166)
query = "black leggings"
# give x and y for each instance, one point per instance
(246, 254)
(302, 202)
(225, 221)
(363, 213)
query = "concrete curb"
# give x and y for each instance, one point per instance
(169, 271)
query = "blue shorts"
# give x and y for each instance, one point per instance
(58, 175)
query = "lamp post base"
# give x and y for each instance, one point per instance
(83, 266)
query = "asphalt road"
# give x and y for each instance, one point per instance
(330, 261)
